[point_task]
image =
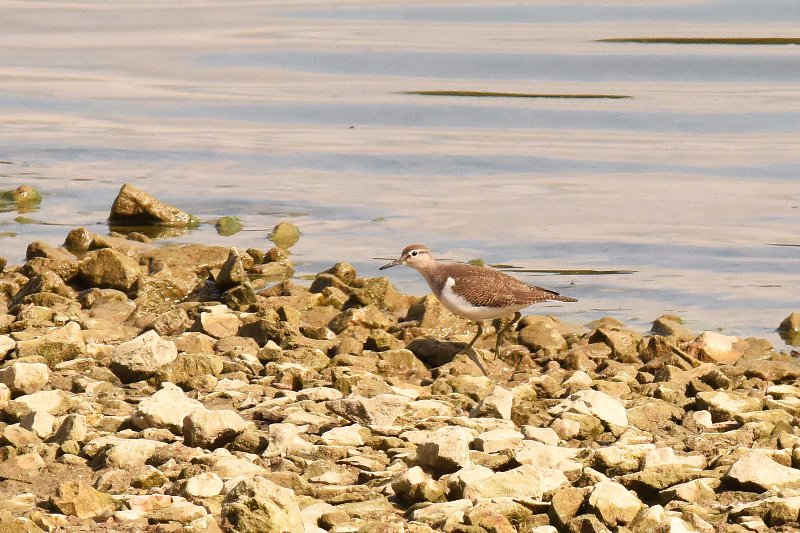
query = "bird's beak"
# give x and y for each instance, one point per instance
(392, 264)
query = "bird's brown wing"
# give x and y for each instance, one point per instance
(486, 287)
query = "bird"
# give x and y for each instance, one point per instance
(475, 293)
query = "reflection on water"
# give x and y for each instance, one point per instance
(524, 154)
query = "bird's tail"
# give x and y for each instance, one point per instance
(560, 298)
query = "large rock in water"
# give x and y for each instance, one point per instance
(258, 505)
(135, 207)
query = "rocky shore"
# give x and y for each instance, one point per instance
(201, 389)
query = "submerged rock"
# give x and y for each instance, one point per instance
(134, 207)
(284, 235)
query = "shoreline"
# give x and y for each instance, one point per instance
(190, 388)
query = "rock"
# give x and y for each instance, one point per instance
(596, 403)
(191, 371)
(622, 343)
(442, 516)
(725, 405)
(789, 329)
(257, 505)
(140, 358)
(39, 422)
(205, 485)
(672, 326)
(134, 207)
(496, 405)
(219, 324)
(180, 511)
(353, 435)
(72, 428)
(228, 225)
(55, 402)
(717, 348)
(77, 498)
(114, 452)
(380, 410)
(542, 333)
(173, 322)
(757, 471)
(522, 482)
(25, 198)
(24, 378)
(497, 440)
(7, 344)
(56, 346)
(210, 429)
(109, 269)
(165, 409)
(446, 449)
(565, 505)
(284, 235)
(232, 272)
(543, 435)
(414, 485)
(614, 504)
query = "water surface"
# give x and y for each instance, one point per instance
(302, 111)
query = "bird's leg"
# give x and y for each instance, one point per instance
(476, 337)
(502, 332)
(474, 356)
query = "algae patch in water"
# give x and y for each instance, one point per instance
(491, 94)
(705, 40)
(567, 272)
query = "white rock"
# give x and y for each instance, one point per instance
(544, 456)
(661, 456)
(40, 422)
(55, 402)
(717, 348)
(139, 358)
(522, 482)
(497, 405)
(210, 429)
(228, 467)
(469, 475)
(614, 504)
(6, 345)
(165, 409)
(319, 394)
(447, 449)
(285, 439)
(543, 435)
(218, 324)
(352, 435)
(591, 402)
(498, 439)
(122, 453)
(25, 378)
(443, 516)
(204, 485)
(757, 469)
(578, 379)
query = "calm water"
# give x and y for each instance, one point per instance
(298, 111)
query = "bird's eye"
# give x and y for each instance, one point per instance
(414, 253)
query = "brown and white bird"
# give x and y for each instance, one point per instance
(474, 292)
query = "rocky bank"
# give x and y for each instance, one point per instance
(200, 389)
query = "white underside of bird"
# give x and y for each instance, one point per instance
(459, 305)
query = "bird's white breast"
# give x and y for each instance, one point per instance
(460, 306)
